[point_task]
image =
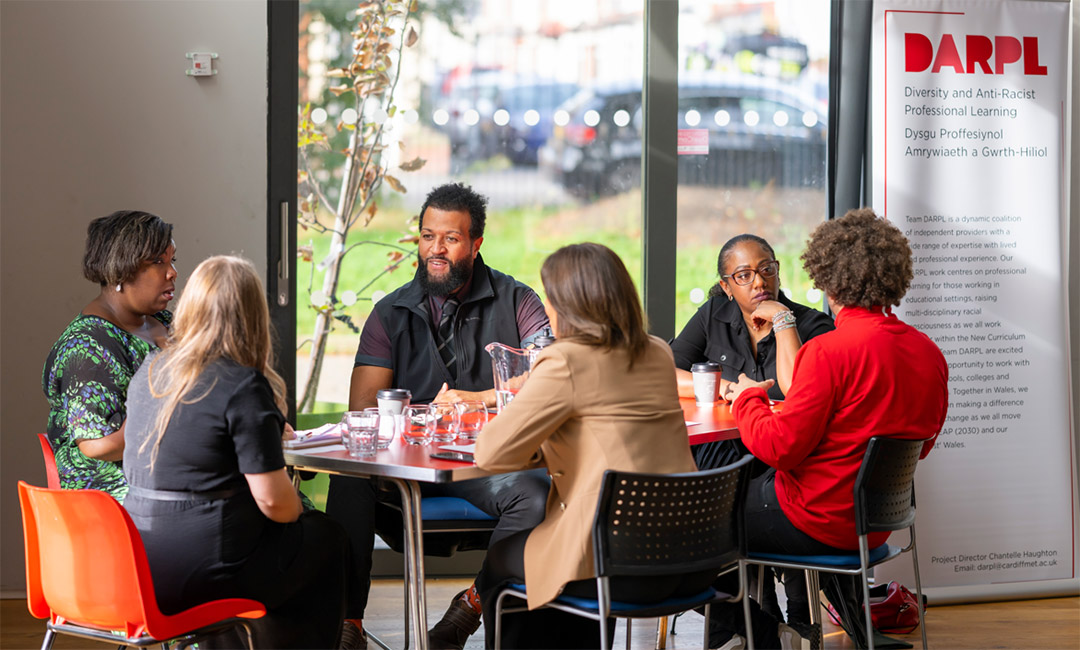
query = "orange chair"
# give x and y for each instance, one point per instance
(52, 476)
(86, 571)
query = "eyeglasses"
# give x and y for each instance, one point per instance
(746, 276)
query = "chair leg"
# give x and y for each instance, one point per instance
(628, 632)
(248, 635)
(498, 620)
(407, 619)
(705, 634)
(918, 589)
(813, 593)
(661, 633)
(864, 559)
(744, 591)
(760, 582)
(603, 600)
(50, 636)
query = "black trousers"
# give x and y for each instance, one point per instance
(296, 570)
(768, 530)
(298, 575)
(517, 500)
(551, 628)
(712, 455)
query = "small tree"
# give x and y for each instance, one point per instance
(381, 27)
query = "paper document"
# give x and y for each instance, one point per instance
(327, 434)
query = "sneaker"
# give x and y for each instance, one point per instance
(352, 637)
(736, 642)
(798, 637)
(724, 639)
(458, 623)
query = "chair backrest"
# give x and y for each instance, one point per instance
(657, 524)
(85, 560)
(52, 476)
(885, 485)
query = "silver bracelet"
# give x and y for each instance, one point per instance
(783, 318)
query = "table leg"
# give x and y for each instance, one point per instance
(414, 558)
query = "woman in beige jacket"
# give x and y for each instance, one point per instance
(603, 397)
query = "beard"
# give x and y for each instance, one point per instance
(458, 274)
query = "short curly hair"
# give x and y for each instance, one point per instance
(859, 260)
(456, 197)
(118, 244)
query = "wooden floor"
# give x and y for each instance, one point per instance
(1052, 624)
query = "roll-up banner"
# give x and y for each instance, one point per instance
(969, 151)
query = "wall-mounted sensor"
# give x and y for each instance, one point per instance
(202, 64)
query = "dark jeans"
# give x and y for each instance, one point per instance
(551, 628)
(768, 530)
(713, 455)
(517, 500)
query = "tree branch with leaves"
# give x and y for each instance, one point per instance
(370, 79)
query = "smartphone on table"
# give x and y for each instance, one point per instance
(454, 455)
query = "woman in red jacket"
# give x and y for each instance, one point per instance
(872, 376)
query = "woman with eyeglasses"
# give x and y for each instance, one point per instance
(748, 325)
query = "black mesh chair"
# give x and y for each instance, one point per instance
(884, 498)
(663, 525)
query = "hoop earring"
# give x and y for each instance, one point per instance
(729, 296)
(118, 287)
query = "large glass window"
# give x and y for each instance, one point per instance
(753, 89)
(535, 103)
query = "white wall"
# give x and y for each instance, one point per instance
(98, 115)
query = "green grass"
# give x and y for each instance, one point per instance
(516, 242)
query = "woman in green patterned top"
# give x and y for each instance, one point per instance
(132, 256)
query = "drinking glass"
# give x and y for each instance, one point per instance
(473, 415)
(390, 424)
(361, 433)
(447, 422)
(419, 425)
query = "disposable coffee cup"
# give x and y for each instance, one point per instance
(706, 382)
(393, 400)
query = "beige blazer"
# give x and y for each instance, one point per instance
(580, 413)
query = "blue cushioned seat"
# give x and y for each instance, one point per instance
(452, 508)
(593, 605)
(877, 555)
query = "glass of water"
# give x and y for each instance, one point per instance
(361, 432)
(419, 425)
(473, 415)
(390, 425)
(447, 422)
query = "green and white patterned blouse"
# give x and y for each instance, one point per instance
(85, 380)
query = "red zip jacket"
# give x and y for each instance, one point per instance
(873, 375)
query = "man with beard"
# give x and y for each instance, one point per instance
(428, 337)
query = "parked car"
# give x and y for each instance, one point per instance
(530, 107)
(492, 112)
(759, 131)
(468, 104)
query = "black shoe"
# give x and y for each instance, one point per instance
(457, 625)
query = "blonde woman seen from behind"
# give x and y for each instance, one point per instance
(209, 492)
